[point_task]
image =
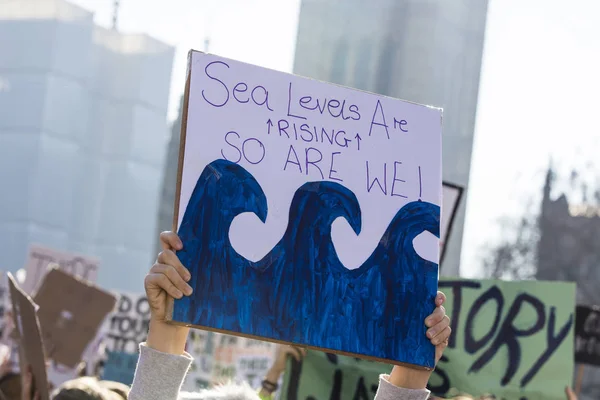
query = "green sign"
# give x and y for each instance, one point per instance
(510, 339)
(322, 376)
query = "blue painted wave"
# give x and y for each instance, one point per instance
(300, 291)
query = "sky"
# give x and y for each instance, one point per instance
(538, 100)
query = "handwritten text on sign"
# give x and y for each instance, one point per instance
(127, 326)
(511, 339)
(39, 257)
(322, 376)
(287, 130)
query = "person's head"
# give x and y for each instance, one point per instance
(119, 388)
(223, 392)
(10, 386)
(83, 389)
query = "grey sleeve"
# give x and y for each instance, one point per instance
(387, 391)
(159, 376)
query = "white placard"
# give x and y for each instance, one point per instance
(288, 130)
(127, 326)
(39, 257)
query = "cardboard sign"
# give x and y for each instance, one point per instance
(587, 335)
(298, 202)
(127, 326)
(40, 257)
(27, 326)
(451, 195)
(120, 367)
(5, 325)
(511, 339)
(71, 311)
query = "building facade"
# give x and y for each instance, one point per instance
(82, 136)
(568, 249)
(166, 208)
(425, 51)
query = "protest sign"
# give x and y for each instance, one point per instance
(27, 327)
(322, 376)
(220, 358)
(127, 326)
(252, 368)
(299, 154)
(451, 195)
(39, 257)
(71, 311)
(120, 367)
(253, 360)
(509, 339)
(201, 345)
(4, 307)
(587, 335)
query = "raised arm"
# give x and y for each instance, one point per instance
(163, 363)
(406, 383)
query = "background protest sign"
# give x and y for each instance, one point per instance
(499, 329)
(322, 376)
(31, 348)
(201, 345)
(220, 358)
(511, 339)
(71, 311)
(39, 257)
(253, 360)
(587, 335)
(120, 367)
(120, 335)
(269, 161)
(127, 326)
(451, 196)
(4, 307)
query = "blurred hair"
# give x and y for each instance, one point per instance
(223, 392)
(10, 386)
(116, 387)
(464, 397)
(86, 388)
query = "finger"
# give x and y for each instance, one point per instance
(158, 280)
(170, 241)
(439, 327)
(435, 317)
(168, 257)
(28, 377)
(440, 299)
(173, 276)
(442, 337)
(296, 353)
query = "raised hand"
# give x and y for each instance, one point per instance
(167, 277)
(439, 326)
(166, 280)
